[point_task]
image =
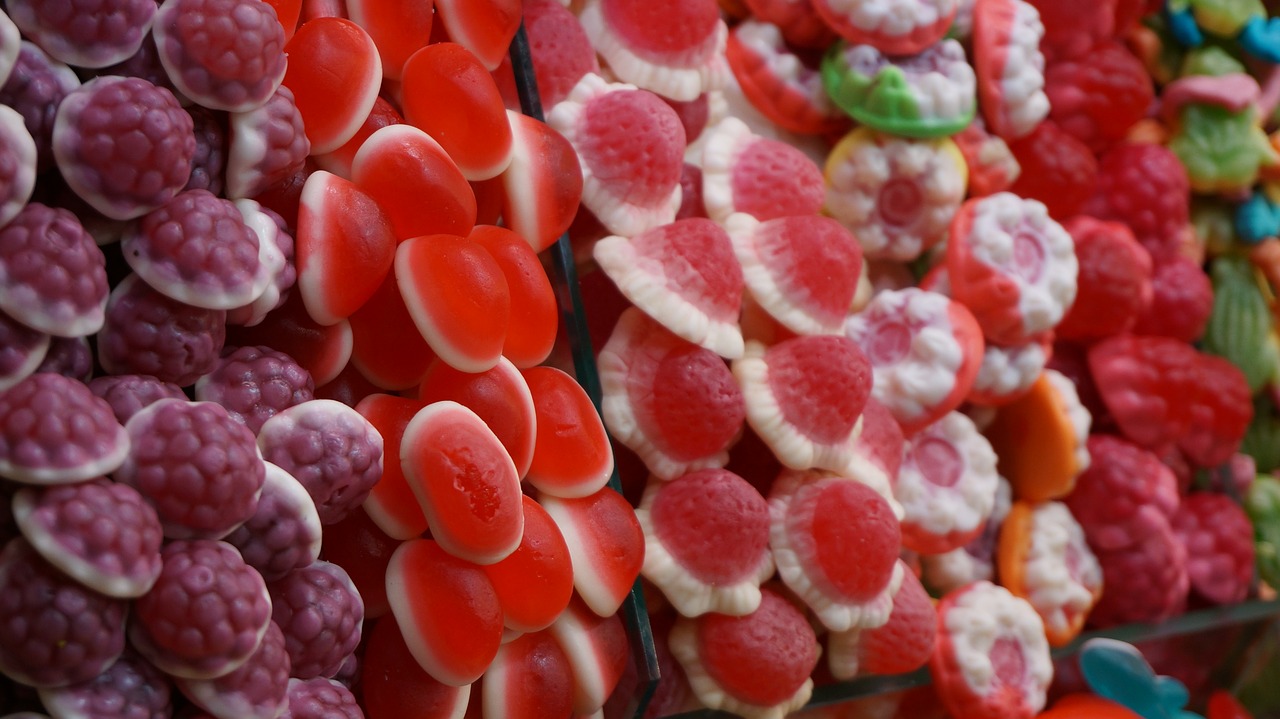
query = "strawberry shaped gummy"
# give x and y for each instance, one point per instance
(56, 631)
(805, 398)
(1145, 186)
(706, 542)
(101, 533)
(897, 29)
(947, 485)
(896, 195)
(674, 404)
(1009, 66)
(1099, 96)
(674, 48)
(1148, 384)
(756, 666)
(813, 520)
(778, 82)
(1218, 537)
(925, 352)
(743, 171)
(630, 145)
(1012, 265)
(1114, 282)
(1145, 582)
(53, 430)
(901, 645)
(1220, 413)
(1043, 558)
(685, 276)
(992, 658)
(802, 270)
(1057, 169)
(205, 615)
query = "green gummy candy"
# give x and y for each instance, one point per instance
(1211, 60)
(885, 101)
(1226, 18)
(1240, 324)
(1222, 150)
(1262, 504)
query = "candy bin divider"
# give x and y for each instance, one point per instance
(564, 279)
(1258, 615)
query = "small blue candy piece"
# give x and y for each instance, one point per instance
(1182, 24)
(1257, 219)
(1261, 38)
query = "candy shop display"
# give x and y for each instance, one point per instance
(525, 359)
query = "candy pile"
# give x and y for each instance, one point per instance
(281, 432)
(893, 299)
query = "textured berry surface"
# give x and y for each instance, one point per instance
(196, 464)
(257, 689)
(124, 145)
(53, 630)
(210, 160)
(1071, 30)
(320, 612)
(1218, 537)
(1147, 384)
(256, 383)
(198, 249)
(1144, 186)
(128, 393)
(559, 48)
(1181, 301)
(1221, 411)
(206, 614)
(145, 64)
(70, 357)
(101, 533)
(321, 698)
(54, 274)
(333, 451)
(148, 333)
(85, 33)
(267, 145)
(1124, 494)
(1057, 169)
(284, 532)
(132, 688)
(53, 430)
(223, 54)
(35, 88)
(1113, 285)
(1099, 96)
(22, 349)
(1145, 582)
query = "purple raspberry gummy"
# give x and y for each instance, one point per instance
(70, 357)
(197, 466)
(206, 614)
(259, 689)
(330, 448)
(55, 275)
(10, 39)
(85, 33)
(35, 89)
(145, 63)
(130, 689)
(102, 534)
(17, 164)
(197, 249)
(54, 631)
(124, 145)
(284, 532)
(320, 612)
(267, 145)
(321, 698)
(209, 164)
(255, 384)
(273, 244)
(148, 333)
(129, 393)
(349, 672)
(104, 230)
(54, 431)
(22, 350)
(223, 54)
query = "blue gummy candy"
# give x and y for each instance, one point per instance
(1257, 219)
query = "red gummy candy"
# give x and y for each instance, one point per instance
(499, 396)
(1218, 537)
(1057, 169)
(1181, 302)
(362, 549)
(535, 318)
(391, 503)
(542, 186)
(334, 73)
(1099, 96)
(535, 583)
(1144, 186)
(605, 543)
(339, 161)
(1126, 494)
(395, 687)
(398, 28)
(1072, 30)
(559, 47)
(571, 456)
(1113, 286)
(381, 350)
(1147, 384)
(448, 93)
(597, 651)
(1220, 413)
(530, 678)
(415, 182)
(1146, 582)
(485, 27)
(321, 350)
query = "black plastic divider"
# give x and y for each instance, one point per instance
(573, 320)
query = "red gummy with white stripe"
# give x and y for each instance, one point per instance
(606, 544)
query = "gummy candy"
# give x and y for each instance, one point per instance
(899, 29)
(674, 48)
(535, 582)
(321, 53)
(606, 545)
